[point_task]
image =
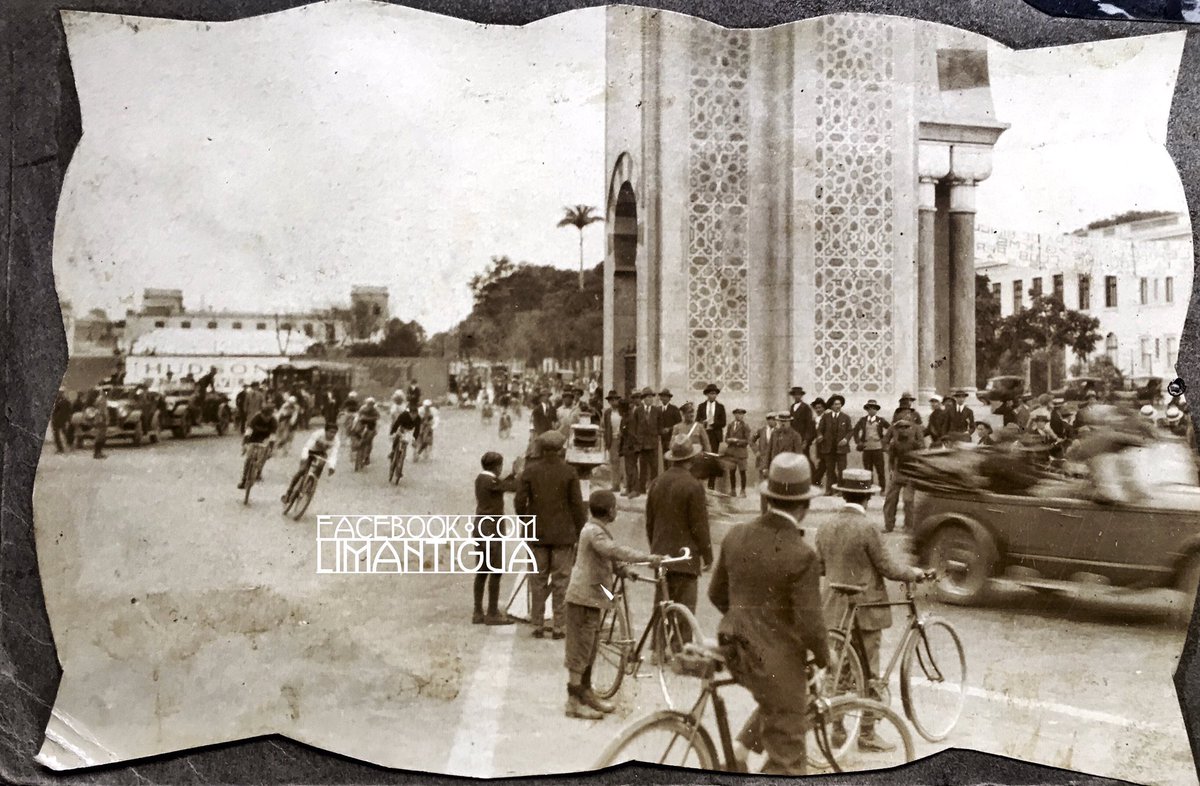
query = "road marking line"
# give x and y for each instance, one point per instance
(1058, 708)
(478, 728)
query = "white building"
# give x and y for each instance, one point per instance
(1137, 281)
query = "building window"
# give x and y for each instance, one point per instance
(1018, 295)
(1110, 291)
(237, 325)
(996, 290)
(308, 329)
(1085, 293)
(1111, 348)
(185, 324)
(1144, 291)
(159, 323)
(377, 310)
(1172, 354)
(1169, 286)
(212, 325)
(286, 326)
(1156, 290)
(1147, 358)
(1035, 287)
(330, 332)
(1157, 349)
(261, 326)
(1058, 286)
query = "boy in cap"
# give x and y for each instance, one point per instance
(737, 449)
(588, 594)
(489, 504)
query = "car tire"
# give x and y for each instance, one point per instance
(964, 556)
(155, 429)
(1186, 581)
(223, 418)
(138, 433)
(186, 428)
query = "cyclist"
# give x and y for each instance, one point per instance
(366, 421)
(405, 426)
(324, 443)
(289, 413)
(767, 586)
(261, 428)
(429, 423)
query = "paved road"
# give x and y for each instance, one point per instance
(183, 617)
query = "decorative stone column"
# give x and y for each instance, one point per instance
(969, 164)
(933, 163)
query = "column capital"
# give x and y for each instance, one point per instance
(933, 159)
(962, 196)
(970, 162)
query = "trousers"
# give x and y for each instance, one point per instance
(900, 485)
(873, 462)
(834, 464)
(647, 469)
(550, 581)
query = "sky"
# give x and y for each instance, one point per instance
(272, 163)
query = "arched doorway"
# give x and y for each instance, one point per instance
(623, 239)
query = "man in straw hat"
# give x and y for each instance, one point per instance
(767, 586)
(851, 553)
(549, 489)
(677, 518)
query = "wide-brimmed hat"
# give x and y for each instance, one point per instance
(682, 449)
(789, 479)
(711, 388)
(1174, 414)
(665, 393)
(818, 401)
(647, 392)
(612, 396)
(796, 391)
(1058, 401)
(906, 396)
(856, 481)
(838, 398)
(871, 404)
(551, 440)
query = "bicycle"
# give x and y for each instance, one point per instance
(668, 629)
(257, 454)
(362, 448)
(933, 666)
(689, 744)
(302, 493)
(399, 453)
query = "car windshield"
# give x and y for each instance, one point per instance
(179, 390)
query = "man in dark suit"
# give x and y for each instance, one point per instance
(544, 416)
(851, 552)
(784, 439)
(711, 415)
(668, 418)
(644, 418)
(767, 587)
(677, 518)
(803, 422)
(959, 417)
(549, 489)
(939, 423)
(834, 434)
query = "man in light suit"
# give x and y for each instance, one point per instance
(610, 429)
(761, 443)
(711, 414)
(833, 433)
(851, 552)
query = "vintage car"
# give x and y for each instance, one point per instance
(1141, 390)
(181, 410)
(1059, 535)
(133, 412)
(1001, 389)
(1076, 389)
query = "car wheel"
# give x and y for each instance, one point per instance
(964, 558)
(138, 433)
(186, 428)
(223, 418)
(155, 429)
(1186, 582)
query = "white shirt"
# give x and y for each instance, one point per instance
(330, 455)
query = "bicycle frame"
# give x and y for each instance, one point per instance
(851, 633)
(660, 582)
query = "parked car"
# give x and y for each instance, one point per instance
(1050, 543)
(1076, 389)
(1001, 389)
(1141, 390)
(133, 413)
(181, 410)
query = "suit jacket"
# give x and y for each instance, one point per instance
(851, 552)
(489, 498)
(668, 418)
(645, 427)
(834, 432)
(549, 489)
(606, 427)
(767, 586)
(737, 439)
(861, 435)
(677, 517)
(543, 417)
(939, 425)
(783, 440)
(761, 443)
(718, 428)
(803, 422)
(959, 420)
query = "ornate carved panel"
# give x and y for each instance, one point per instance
(718, 197)
(854, 253)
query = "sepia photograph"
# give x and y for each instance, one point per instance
(505, 401)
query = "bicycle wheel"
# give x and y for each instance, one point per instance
(677, 627)
(308, 487)
(844, 677)
(883, 739)
(394, 470)
(611, 653)
(666, 737)
(933, 679)
(249, 473)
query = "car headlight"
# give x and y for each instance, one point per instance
(122, 412)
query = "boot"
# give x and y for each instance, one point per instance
(496, 618)
(868, 741)
(477, 618)
(578, 709)
(597, 703)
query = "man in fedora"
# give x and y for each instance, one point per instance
(803, 422)
(834, 433)
(711, 414)
(677, 518)
(766, 585)
(544, 417)
(610, 431)
(868, 438)
(906, 405)
(668, 418)
(784, 439)
(644, 418)
(761, 444)
(549, 489)
(939, 423)
(737, 450)
(852, 553)
(960, 419)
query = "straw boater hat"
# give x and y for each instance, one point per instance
(1148, 411)
(784, 416)
(1174, 414)
(789, 479)
(772, 416)
(711, 388)
(682, 449)
(856, 481)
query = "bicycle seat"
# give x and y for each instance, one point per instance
(847, 589)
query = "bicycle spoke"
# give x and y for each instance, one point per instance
(933, 680)
(863, 735)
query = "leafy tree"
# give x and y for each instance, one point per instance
(1045, 328)
(579, 217)
(400, 339)
(988, 351)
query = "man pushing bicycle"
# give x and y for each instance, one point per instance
(323, 443)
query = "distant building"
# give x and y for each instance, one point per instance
(1137, 280)
(1159, 225)
(368, 311)
(94, 335)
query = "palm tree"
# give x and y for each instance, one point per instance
(579, 217)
